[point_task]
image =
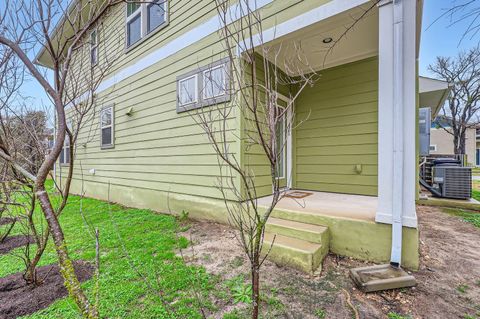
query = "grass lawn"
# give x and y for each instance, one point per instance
(476, 171)
(149, 239)
(476, 190)
(468, 216)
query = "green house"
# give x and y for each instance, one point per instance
(350, 166)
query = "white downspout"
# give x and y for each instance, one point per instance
(398, 136)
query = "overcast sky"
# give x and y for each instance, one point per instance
(439, 38)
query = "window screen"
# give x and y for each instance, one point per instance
(214, 82)
(134, 30)
(155, 15)
(106, 127)
(188, 90)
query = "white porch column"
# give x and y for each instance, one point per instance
(397, 112)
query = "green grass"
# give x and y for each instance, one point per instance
(468, 216)
(463, 288)
(394, 315)
(149, 240)
(476, 194)
(476, 171)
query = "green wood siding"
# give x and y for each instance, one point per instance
(340, 131)
(156, 149)
(254, 159)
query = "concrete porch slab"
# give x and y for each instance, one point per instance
(356, 207)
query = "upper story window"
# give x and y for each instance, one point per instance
(106, 127)
(143, 18)
(94, 47)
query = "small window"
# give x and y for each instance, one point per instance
(187, 90)
(214, 82)
(433, 148)
(144, 18)
(106, 127)
(94, 47)
(203, 87)
(65, 153)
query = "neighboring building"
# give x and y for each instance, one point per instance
(441, 143)
(345, 155)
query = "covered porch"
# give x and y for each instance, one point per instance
(334, 205)
(351, 137)
(351, 140)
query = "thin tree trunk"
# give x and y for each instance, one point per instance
(255, 290)
(31, 273)
(66, 266)
(5, 235)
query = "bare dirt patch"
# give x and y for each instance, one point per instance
(19, 299)
(448, 278)
(12, 242)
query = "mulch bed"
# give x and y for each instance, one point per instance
(12, 242)
(6, 220)
(19, 299)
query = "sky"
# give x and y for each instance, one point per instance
(439, 38)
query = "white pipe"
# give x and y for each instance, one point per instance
(398, 137)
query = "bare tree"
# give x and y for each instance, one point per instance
(463, 11)
(258, 72)
(25, 28)
(463, 104)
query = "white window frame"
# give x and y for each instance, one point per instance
(225, 84)
(112, 126)
(201, 99)
(94, 47)
(143, 12)
(284, 146)
(432, 148)
(194, 76)
(65, 152)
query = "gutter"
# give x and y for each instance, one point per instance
(398, 138)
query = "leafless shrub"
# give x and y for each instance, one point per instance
(461, 110)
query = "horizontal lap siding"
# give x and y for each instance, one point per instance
(340, 131)
(156, 148)
(255, 160)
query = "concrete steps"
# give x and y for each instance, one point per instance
(299, 245)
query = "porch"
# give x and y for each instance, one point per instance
(305, 225)
(334, 205)
(350, 137)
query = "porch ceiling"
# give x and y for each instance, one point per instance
(304, 51)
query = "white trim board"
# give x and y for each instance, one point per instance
(198, 33)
